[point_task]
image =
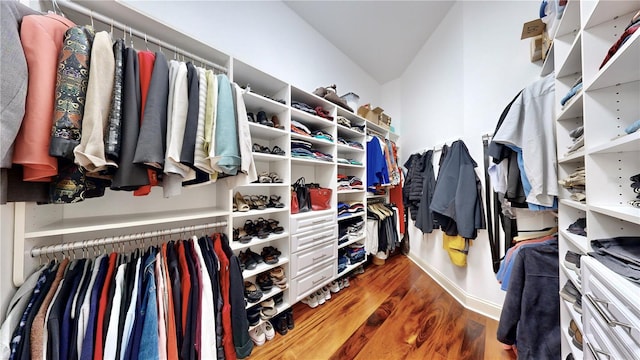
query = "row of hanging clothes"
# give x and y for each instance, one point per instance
(383, 224)
(99, 114)
(180, 300)
(450, 201)
(382, 163)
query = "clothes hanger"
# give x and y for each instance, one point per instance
(535, 234)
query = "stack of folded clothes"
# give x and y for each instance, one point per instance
(343, 261)
(359, 128)
(631, 28)
(620, 254)
(576, 88)
(355, 253)
(577, 135)
(323, 135)
(579, 227)
(343, 121)
(635, 185)
(575, 184)
(300, 128)
(352, 143)
(303, 107)
(349, 182)
(350, 229)
(349, 161)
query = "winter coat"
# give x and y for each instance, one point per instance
(425, 221)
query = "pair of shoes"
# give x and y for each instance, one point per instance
(576, 339)
(577, 305)
(269, 177)
(326, 292)
(260, 334)
(570, 292)
(573, 327)
(249, 260)
(268, 309)
(253, 315)
(274, 202)
(572, 260)
(251, 292)
(334, 286)
(264, 282)
(311, 300)
(278, 277)
(284, 322)
(276, 150)
(270, 255)
(239, 203)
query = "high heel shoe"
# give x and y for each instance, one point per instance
(240, 203)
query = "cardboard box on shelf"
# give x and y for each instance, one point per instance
(375, 116)
(535, 30)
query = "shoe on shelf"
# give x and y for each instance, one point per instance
(311, 300)
(572, 327)
(239, 203)
(268, 330)
(569, 292)
(253, 315)
(278, 298)
(247, 261)
(257, 258)
(320, 296)
(335, 287)
(572, 260)
(251, 292)
(290, 323)
(257, 335)
(576, 339)
(264, 282)
(577, 306)
(268, 309)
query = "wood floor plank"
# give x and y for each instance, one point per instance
(394, 311)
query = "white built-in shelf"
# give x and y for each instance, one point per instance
(572, 109)
(351, 216)
(572, 275)
(236, 245)
(351, 166)
(627, 143)
(577, 352)
(570, 21)
(275, 290)
(257, 213)
(259, 81)
(314, 213)
(311, 121)
(577, 156)
(268, 157)
(548, 65)
(311, 139)
(573, 62)
(342, 148)
(351, 267)
(349, 242)
(577, 318)
(262, 267)
(310, 99)
(605, 11)
(345, 131)
(574, 204)
(255, 103)
(353, 116)
(266, 132)
(303, 161)
(580, 242)
(352, 191)
(262, 185)
(99, 223)
(377, 128)
(624, 212)
(621, 68)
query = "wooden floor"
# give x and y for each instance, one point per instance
(394, 311)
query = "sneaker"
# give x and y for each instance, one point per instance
(326, 292)
(577, 306)
(257, 335)
(320, 296)
(346, 282)
(267, 329)
(359, 270)
(569, 292)
(572, 260)
(341, 284)
(311, 300)
(335, 287)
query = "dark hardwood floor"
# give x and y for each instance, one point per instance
(394, 311)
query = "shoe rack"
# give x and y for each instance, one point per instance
(607, 104)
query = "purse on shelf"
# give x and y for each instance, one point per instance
(301, 192)
(320, 197)
(295, 208)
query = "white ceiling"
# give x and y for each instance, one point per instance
(380, 36)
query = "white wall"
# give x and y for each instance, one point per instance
(456, 88)
(269, 36)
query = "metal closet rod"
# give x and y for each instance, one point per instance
(139, 34)
(83, 244)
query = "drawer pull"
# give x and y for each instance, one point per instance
(318, 238)
(595, 352)
(596, 303)
(320, 257)
(319, 280)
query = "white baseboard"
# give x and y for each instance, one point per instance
(469, 301)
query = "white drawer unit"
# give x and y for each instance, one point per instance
(304, 285)
(613, 302)
(597, 343)
(311, 221)
(306, 260)
(308, 239)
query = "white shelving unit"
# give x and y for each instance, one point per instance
(607, 104)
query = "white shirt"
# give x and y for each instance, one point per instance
(111, 342)
(207, 339)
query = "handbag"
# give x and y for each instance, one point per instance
(295, 208)
(302, 195)
(320, 197)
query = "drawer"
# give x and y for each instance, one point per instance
(304, 261)
(312, 238)
(610, 308)
(310, 221)
(598, 344)
(305, 285)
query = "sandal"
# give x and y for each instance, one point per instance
(250, 117)
(257, 202)
(278, 278)
(241, 203)
(274, 201)
(274, 178)
(251, 292)
(247, 261)
(257, 258)
(247, 199)
(241, 236)
(263, 120)
(273, 225)
(276, 122)
(278, 151)
(249, 230)
(265, 177)
(262, 228)
(268, 309)
(270, 255)
(264, 282)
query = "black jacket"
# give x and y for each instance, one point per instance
(425, 221)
